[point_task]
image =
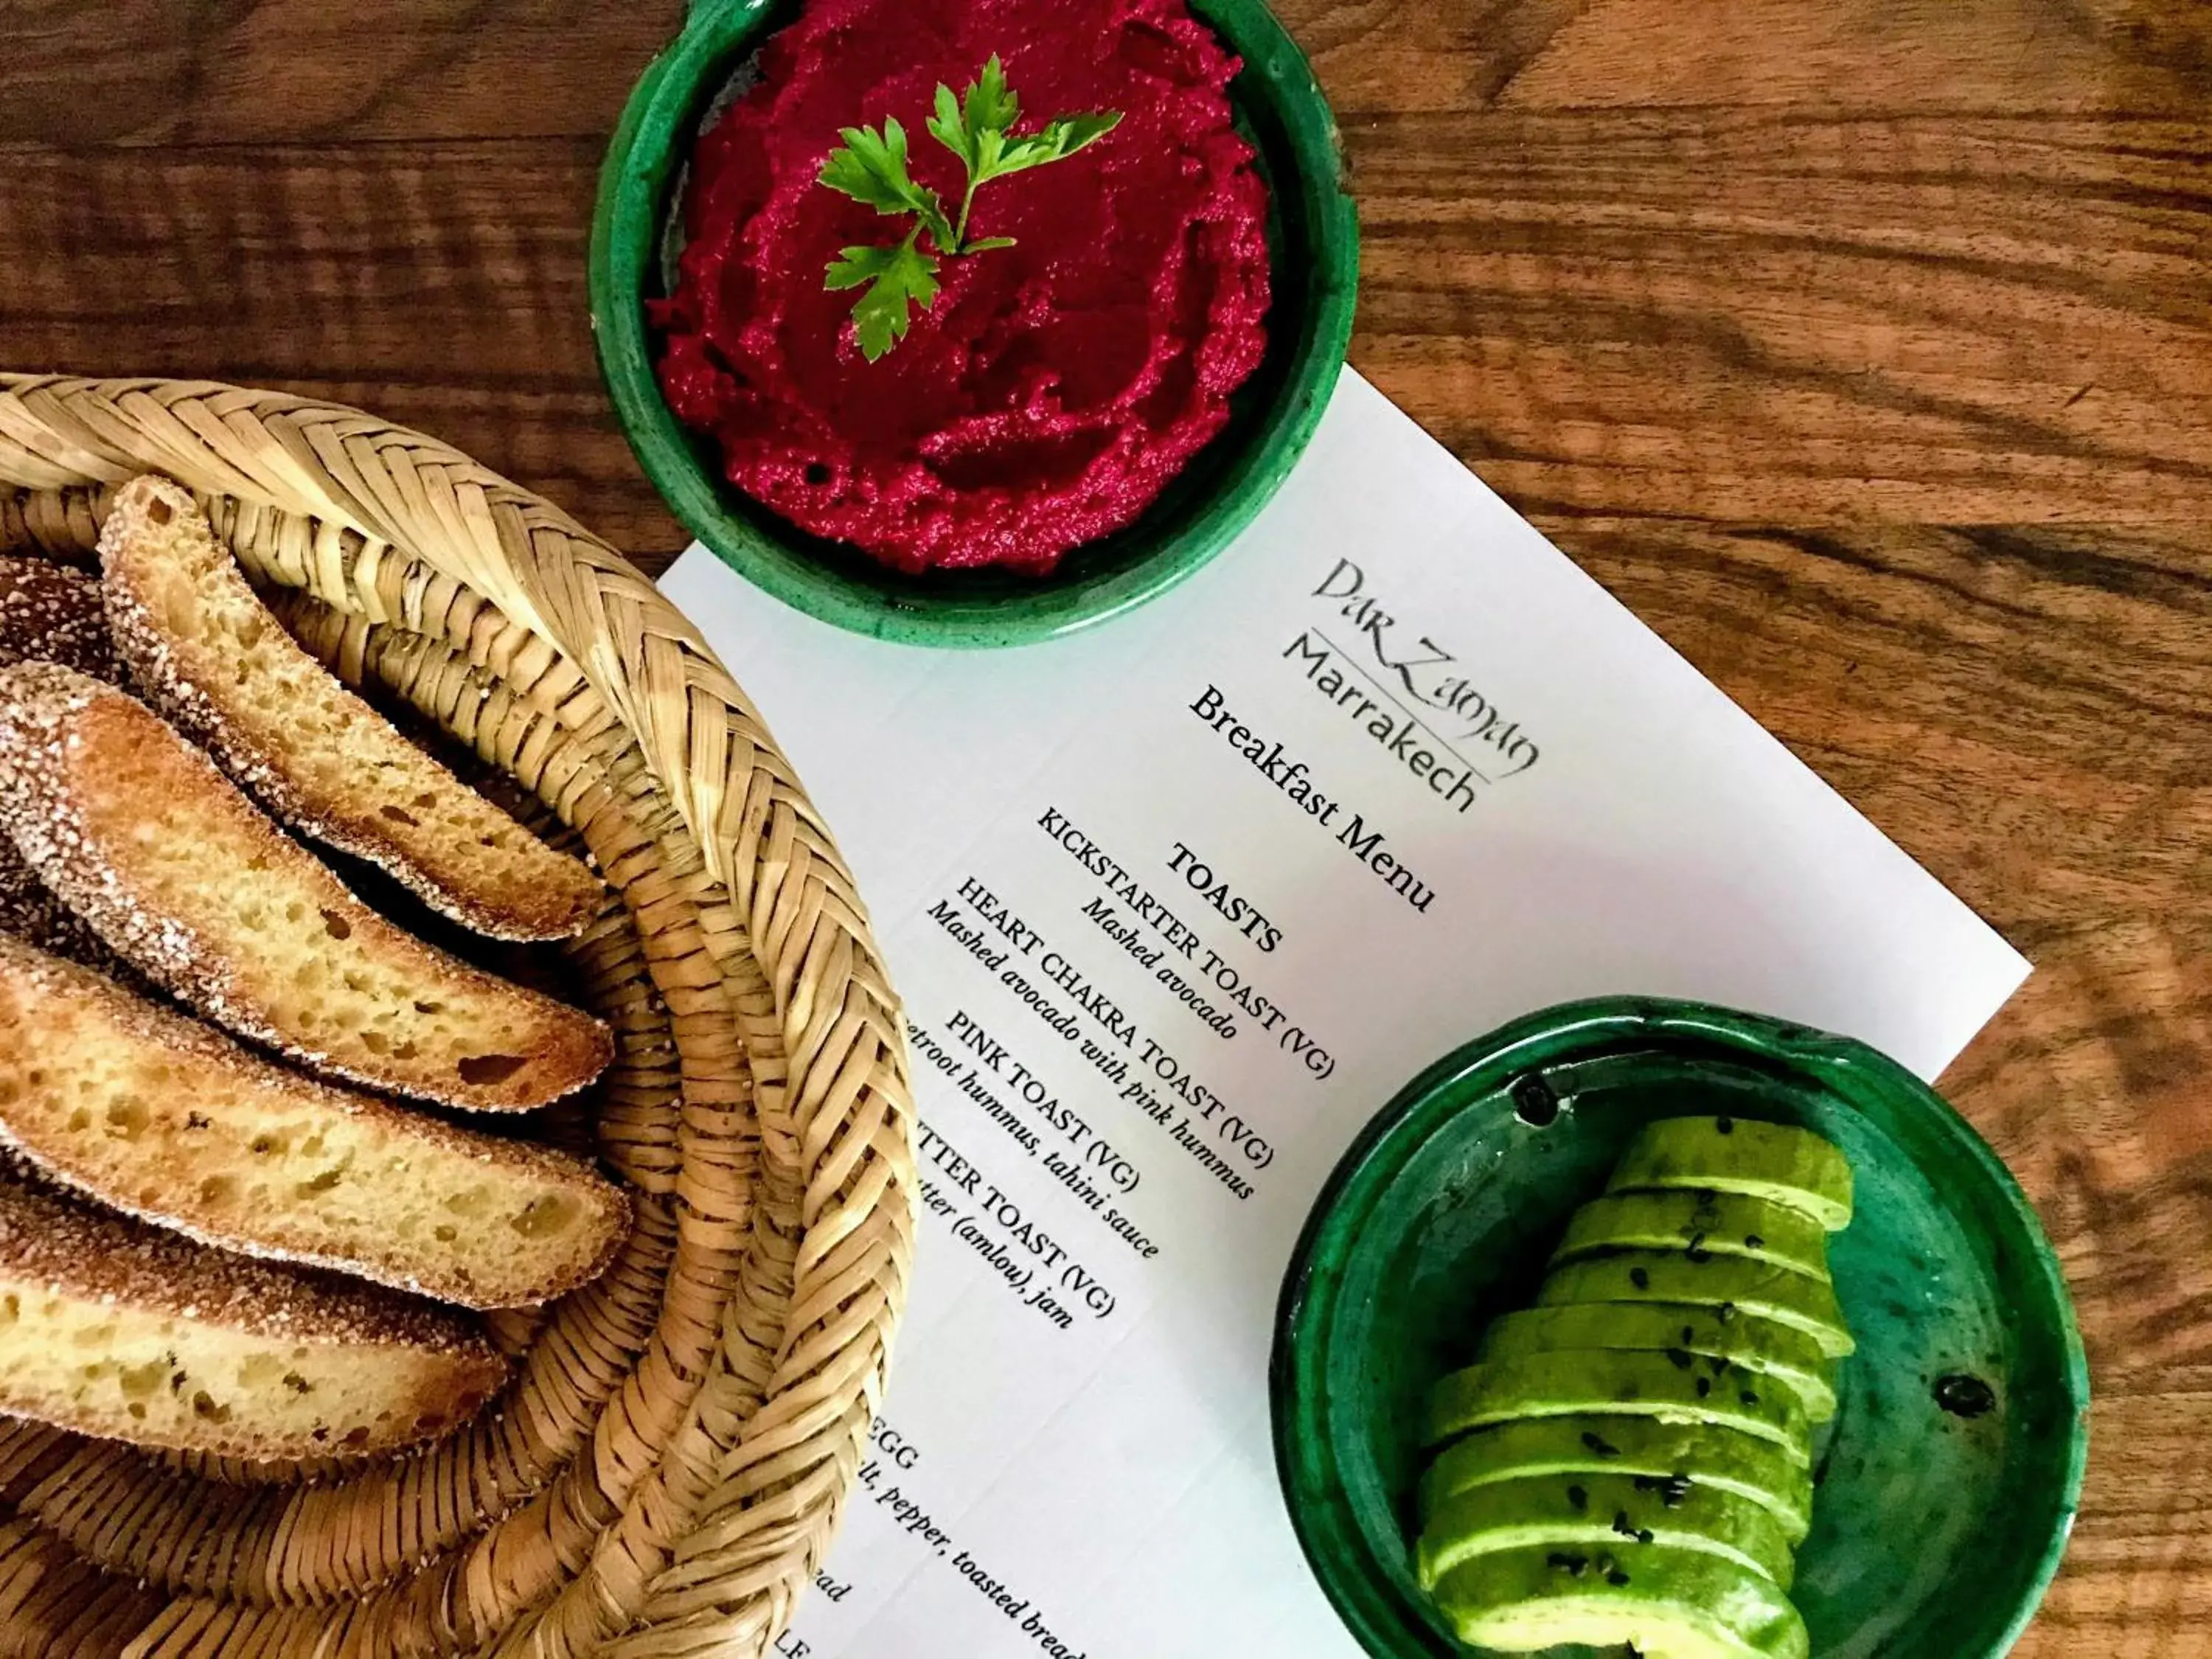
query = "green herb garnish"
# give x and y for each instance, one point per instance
(871, 167)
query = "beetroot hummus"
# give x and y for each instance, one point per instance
(1055, 387)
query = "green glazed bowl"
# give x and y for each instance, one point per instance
(1314, 236)
(1935, 1530)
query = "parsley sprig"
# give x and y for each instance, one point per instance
(871, 167)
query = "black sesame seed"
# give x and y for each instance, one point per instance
(1725, 1125)
(1617, 1578)
(1749, 1397)
(1720, 1365)
(1646, 1536)
(1681, 1358)
(1704, 1387)
(1640, 1278)
(1699, 1256)
(1753, 1242)
(1578, 1497)
(1599, 1446)
(1622, 1525)
(1561, 1561)
(1649, 1483)
(1689, 1335)
(1708, 1196)
(1727, 1312)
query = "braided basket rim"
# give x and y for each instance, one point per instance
(405, 496)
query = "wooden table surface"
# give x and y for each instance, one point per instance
(1862, 347)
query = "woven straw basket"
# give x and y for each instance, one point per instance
(666, 1468)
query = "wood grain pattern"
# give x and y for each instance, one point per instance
(1864, 347)
(179, 72)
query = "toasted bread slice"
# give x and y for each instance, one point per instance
(28, 911)
(157, 1115)
(51, 613)
(184, 879)
(208, 655)
(116, 1329)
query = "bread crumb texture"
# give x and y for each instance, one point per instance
(210, 656)
(187, 881)
(154, 1113)
(115, 1329)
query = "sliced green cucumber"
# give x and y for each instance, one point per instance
(1644, 1447)
(1729, 1285)
(1603, 1382)
(1594, 1512)
(1713, 1223)
(1697, 1335)
(1667, 1603)
(1792, 1166)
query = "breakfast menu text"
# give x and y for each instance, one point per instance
(1175, 905)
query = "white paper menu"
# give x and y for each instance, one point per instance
(1175, 905)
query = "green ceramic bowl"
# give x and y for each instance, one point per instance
(1313, 233)
(1935, 1531)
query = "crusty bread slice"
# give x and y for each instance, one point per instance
(183, 878)
(51, 613)
(155, 1114)
(115, 1329)
(28, 911)
(207, 654)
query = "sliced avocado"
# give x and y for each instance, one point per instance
(1729, 1285)
(1623, 1384)
(1792, 1166)
(1667, 1603)
(1594, 1512)
(1690, 1336)
(1642, 1446)
(1703, 1221)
